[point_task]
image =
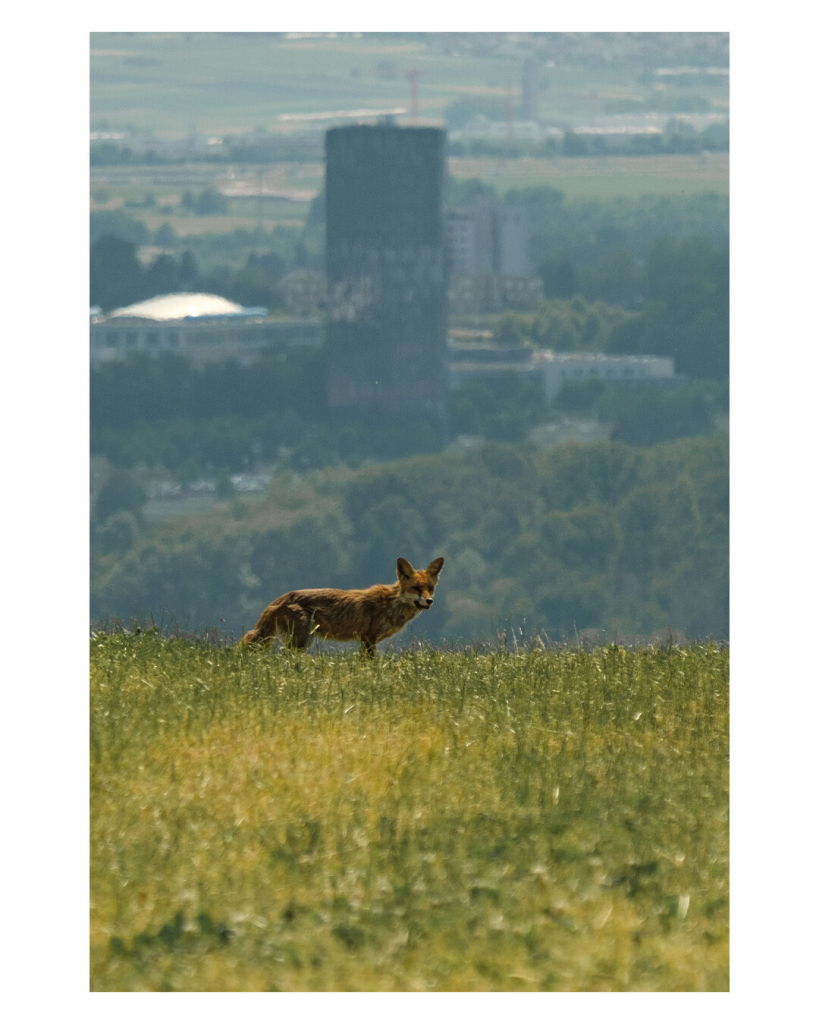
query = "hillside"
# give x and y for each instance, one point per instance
(601, 536)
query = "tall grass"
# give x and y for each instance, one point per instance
(454, 821)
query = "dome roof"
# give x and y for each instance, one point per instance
(176, 307)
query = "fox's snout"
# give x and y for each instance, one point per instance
(423, 602)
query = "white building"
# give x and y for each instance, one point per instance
(558, 368)
(203, 328)
(468, 362)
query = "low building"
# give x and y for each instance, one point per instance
(483, 361)
(558, 368)
(203, 328)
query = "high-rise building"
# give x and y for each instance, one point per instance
(386, 274)
(513, 242)
(488, 239)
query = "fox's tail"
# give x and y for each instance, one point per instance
(261, 635)
(270, 623)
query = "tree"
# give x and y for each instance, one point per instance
(224, 487)
(166, 236)
(119, 532)
(559, 277)
(647, 414)
(161, 276)
(585, 538)
(688, 281)
(580, 395)
(119, 494)
(511, 330)
(210, 201)
(574, 145)
(271, 263)
(116, 276)
(118, 223)
(188, 272)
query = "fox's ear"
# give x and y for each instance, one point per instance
(435, 567)
(405, 569)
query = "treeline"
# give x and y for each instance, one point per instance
(583, 537)
(167, 414)
(597, 249)
(678, 138)
(242, 265)
(195, 421)
(507, 408)
(301, 147)
(617, 238)
(679, 307)
(118, 278)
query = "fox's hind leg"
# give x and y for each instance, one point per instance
(368, 647)
(298, 629)
(286, 618)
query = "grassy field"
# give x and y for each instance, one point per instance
(288, 190)
(579, 178)
(602, 178)
(539, 819)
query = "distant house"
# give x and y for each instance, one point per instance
(203, 328)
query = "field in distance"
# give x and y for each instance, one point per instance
(285, 188)
(601, 178)
(548, 819)
(228, 83)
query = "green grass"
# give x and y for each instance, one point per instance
(601, 178)
(540, 820)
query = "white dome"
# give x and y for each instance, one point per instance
(176, 307)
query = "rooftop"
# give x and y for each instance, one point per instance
(181, 305)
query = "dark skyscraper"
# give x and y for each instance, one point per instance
(386, 274)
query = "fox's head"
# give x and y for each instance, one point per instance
(419, 584)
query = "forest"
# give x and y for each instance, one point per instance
(606, 536)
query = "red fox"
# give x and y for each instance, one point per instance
(369, 615)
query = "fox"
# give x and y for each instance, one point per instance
(369, 615)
